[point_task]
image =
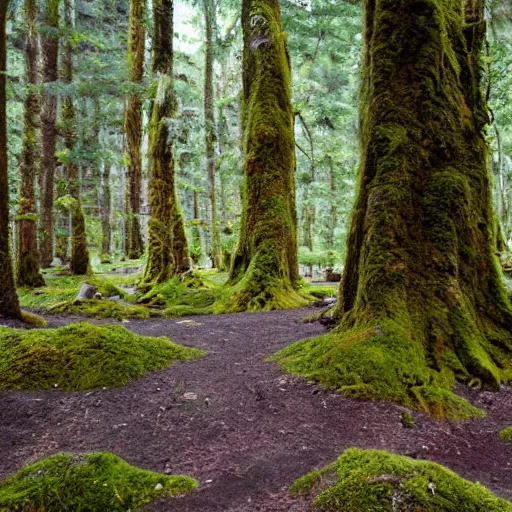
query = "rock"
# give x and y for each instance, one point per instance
(98, 296)
(115, 297)
(329, 301)
(158, 487)
(87, 292)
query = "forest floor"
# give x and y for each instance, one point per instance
(239, 425)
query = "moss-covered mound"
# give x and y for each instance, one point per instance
(96, 482)
(377, 481)
(82, 356)
(379, 363)
(506, 434)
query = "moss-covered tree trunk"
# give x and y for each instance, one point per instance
(105, 213)
(422, 300)
(27, 268)
(9, 305)
(166, 257)
(210, 137)
(50, 46)
(133, 130)
(79, 262)
(265, 268)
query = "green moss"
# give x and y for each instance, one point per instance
(59, 297)
(506, 434)
(102, 309)
(377, 481)
(82, 356)
(31, 320)
(84, 483)
(379, 362)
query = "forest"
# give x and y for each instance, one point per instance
(255, 255)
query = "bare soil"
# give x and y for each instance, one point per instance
(239, 425)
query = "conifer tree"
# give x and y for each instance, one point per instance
(265, 268)
(9, 305)
(133, 130)
(27, 264)
(167, 245)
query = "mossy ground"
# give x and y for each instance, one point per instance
(204, 292)
(506, 434)
(377, 481)
(86, 483)
(58, 296)
(82, 356)
(382, 363)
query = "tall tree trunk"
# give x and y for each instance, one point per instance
(133, 129)
(165, 257)
(79, 263)
(27, 268)
(308, 204)
(210, 137)
(9, 305)
(422, 303)
(265, 266)
(50, 45)
(105, 212)
(332, 206)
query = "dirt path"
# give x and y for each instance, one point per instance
(251, 431)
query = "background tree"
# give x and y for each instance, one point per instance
(9, 305)
(50, 47)
(167, 254)
(209, 127)
(133, 130)
(79, 263)
(265, 265)
(27, 264)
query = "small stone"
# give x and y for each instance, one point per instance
(98, 296)
(87, 292)
(189, 396)
(208, 481)
(158, 487)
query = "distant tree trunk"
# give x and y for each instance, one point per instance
(79, 263)
(332, 204)
(133, 129)
(163, 260)
(105, 212)
(265, 266)
(210, 137)
(308, 205)
(422, 293)
(27, 271)
(9, 305)
(50, 45)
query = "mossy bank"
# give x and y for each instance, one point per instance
(377, 481)
(94, 482)
(82, 356)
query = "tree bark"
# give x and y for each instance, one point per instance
(105, 212)
(50, 45)
(27, 268)
(265, 268)
(210, 136)
(422, 302)
(133, 130)
(9, 305)
(79, 263)
(167, 246)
